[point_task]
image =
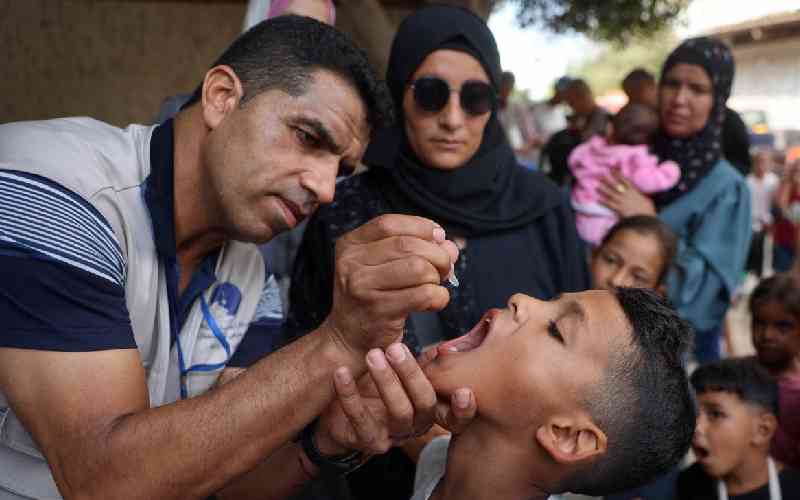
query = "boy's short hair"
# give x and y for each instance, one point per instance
(744, 377)
(649, 225)
(644, 404)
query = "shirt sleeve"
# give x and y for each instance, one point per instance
(265, 333)
(62, 272)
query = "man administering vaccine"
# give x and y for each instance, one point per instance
(137, 313)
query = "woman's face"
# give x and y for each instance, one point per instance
(686, 96)
(446, 139)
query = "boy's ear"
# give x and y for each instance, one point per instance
(572, 440)
(764, 425)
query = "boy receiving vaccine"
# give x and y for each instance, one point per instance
(738, 402)
(584, 393)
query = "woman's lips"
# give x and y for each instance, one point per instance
(448, 143)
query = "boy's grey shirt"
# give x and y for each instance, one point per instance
(430, 467)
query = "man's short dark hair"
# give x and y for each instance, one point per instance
(637, 77)
(744, 377)
(283, 52)
(644, 404)
(652, 226)
(579, 86)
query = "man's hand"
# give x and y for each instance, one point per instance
(391, 404)
(384, 270)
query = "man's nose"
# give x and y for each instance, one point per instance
(322, 180)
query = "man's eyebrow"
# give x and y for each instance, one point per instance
(323, 134)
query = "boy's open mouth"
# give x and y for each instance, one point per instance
(701, 452)
(473, 338)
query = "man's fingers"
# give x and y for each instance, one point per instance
(367, 431)
(408, 272)
(400, 303)
(417, 386)
(439, 255)
(399, 409)
(397, 225)
(460, 411)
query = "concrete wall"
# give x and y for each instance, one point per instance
(113, 60)
(768, 78)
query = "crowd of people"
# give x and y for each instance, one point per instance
(488, 300)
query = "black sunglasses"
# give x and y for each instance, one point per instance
(432, 94)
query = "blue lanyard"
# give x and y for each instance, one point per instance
(217, 331)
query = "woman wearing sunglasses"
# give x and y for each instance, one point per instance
(447, 159)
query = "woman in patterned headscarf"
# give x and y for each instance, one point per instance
(709, 209)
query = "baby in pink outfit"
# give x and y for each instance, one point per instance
(626, 149)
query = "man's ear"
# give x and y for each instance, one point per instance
(764, 428)
(222, 93)
(572, 440)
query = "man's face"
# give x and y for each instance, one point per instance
(724, 432)
(762, 163)
(271, 162)
(643, 92)
(533, 359)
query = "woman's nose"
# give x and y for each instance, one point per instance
(452, 116)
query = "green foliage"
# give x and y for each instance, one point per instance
(616, 21)
(606, 71)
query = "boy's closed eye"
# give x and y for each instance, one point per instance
(553, 331)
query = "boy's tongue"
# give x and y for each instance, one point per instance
(473, 338)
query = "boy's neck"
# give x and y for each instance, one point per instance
(480, 465)
(750, 475)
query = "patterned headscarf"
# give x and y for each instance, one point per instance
(697, 154)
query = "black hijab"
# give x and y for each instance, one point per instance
(490, 192)
(697, 154)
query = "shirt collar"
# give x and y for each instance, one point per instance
(159, 193)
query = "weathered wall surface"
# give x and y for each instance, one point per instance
(113, 60)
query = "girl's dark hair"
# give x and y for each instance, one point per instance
(649, 225)
(782, 288)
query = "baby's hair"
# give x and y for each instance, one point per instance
(744, 377)
(635, 124)
(653, 226)
(782, 288)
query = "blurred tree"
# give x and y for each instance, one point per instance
(618, 21)
(374, 22)
(605, 71)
